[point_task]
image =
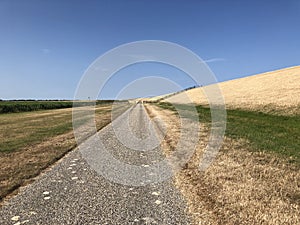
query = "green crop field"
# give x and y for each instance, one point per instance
(33, 105)
(26, 106)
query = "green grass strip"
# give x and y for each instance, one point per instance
(265, 132)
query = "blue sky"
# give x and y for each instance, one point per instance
(45, 46)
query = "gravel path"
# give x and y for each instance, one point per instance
(73, 193)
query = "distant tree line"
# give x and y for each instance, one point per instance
(26, 106)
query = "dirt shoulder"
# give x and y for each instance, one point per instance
(240, 187)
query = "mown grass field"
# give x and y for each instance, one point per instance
(31, 141)
(264, 132)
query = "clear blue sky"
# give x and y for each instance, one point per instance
(45, 46)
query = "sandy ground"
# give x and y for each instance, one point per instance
(240, 187)
(275, 91)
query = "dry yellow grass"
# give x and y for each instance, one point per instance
(240, 187)
(35, 152)
(272, 91)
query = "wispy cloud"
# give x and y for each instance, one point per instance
(214, 60)
(45, 50)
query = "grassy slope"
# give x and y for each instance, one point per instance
(264, 132)
(272, 92)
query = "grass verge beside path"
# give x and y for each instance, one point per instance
(31, 141)
(245, 184)
(264, 132)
